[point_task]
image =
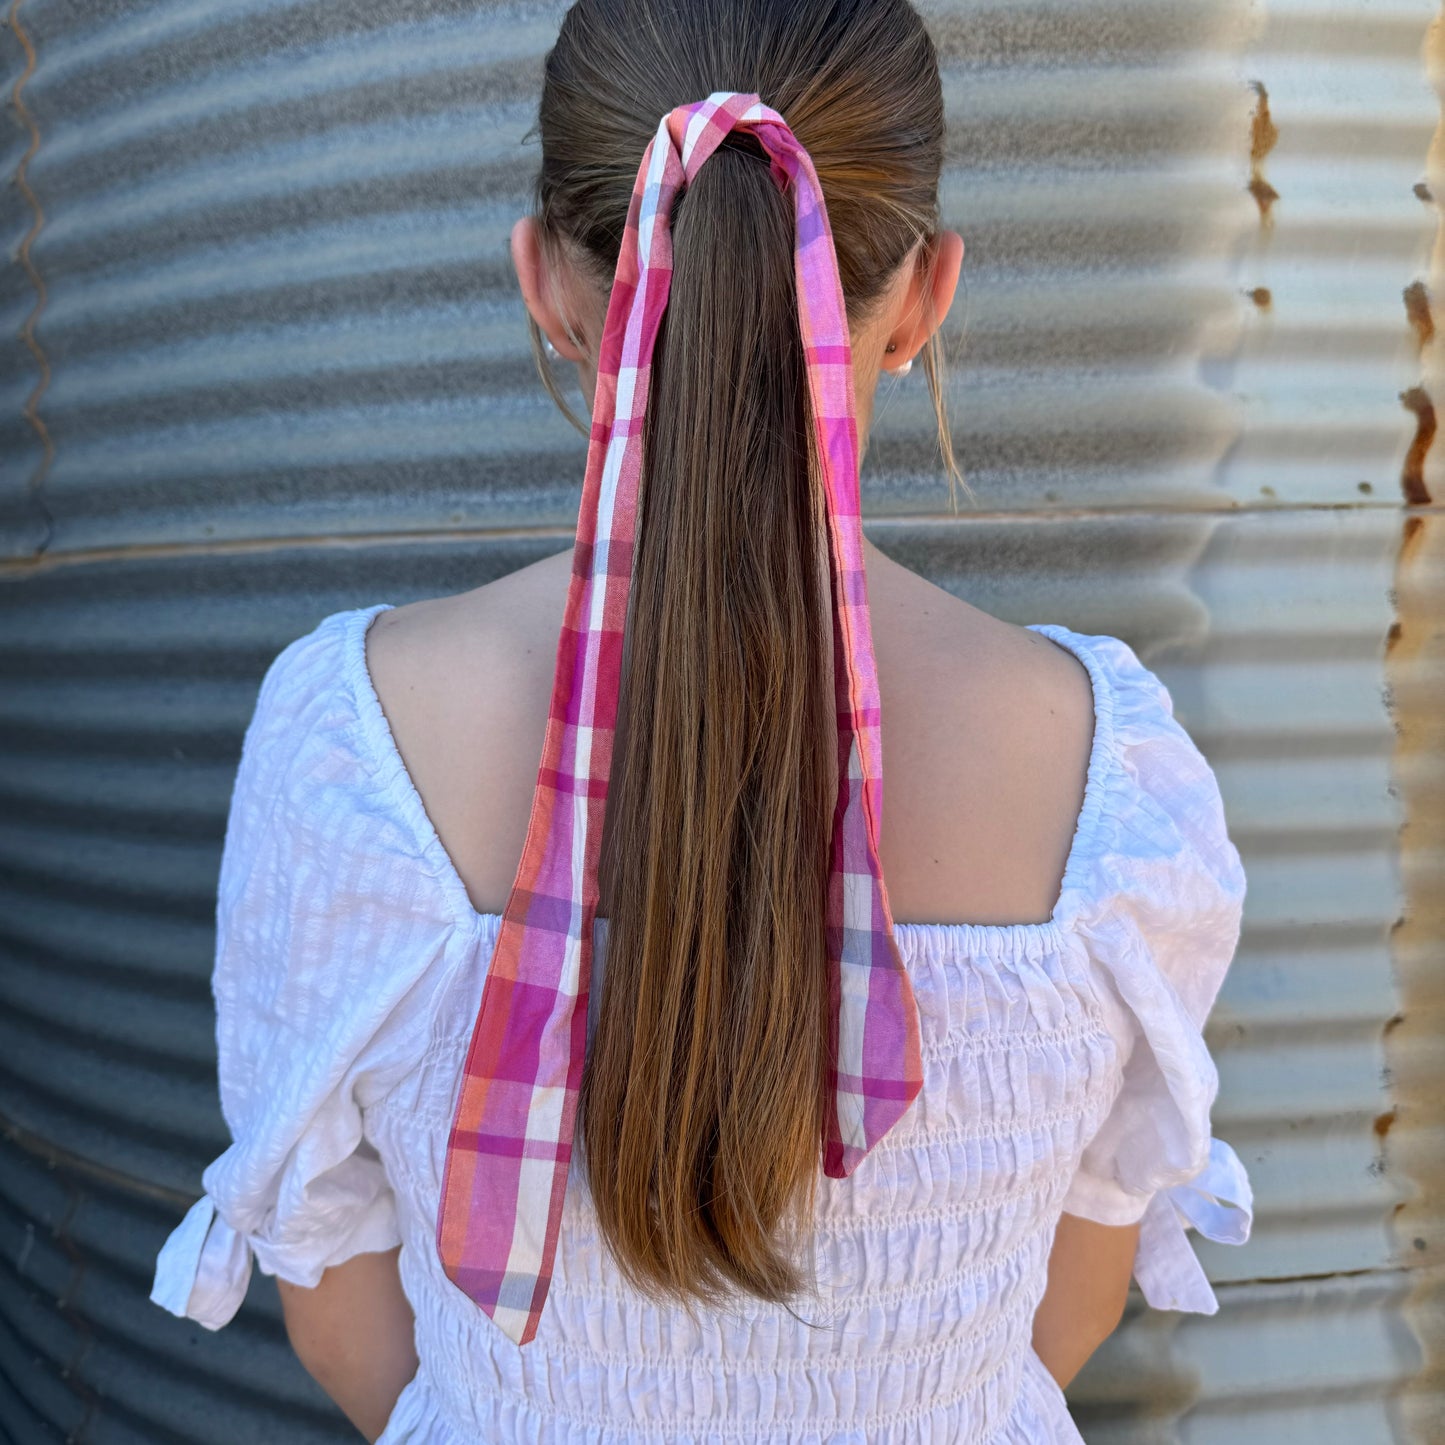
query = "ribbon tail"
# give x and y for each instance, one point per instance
(877, 1068)
(510, 1148)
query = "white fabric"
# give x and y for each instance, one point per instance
(1064, 1069)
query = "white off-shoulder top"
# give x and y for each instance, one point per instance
(1064, 1070)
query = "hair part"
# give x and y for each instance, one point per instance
(702, 1103)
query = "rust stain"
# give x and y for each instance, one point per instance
(1414, 663)
(1414, 1037)
(1264, 195)
(1263, 135)
(1417, 310)
(1384, 1123)
(1262, 297)
(1412, 475)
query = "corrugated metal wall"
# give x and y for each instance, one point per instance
(260, 359)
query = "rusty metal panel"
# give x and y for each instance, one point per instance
(1415, 1037)
(280, 360)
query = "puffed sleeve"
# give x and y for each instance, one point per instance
(1157, 904)
(311, 947)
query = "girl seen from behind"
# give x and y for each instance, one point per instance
(875, 1111)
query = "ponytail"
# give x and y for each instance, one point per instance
(701, 1104)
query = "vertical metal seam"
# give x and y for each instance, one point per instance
(31, 410)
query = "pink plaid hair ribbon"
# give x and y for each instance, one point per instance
(510, 1145)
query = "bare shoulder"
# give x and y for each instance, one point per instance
(499, 618)
(987, 734)
(961, 662)
(954, 630)
(465, 682)
(988, 730)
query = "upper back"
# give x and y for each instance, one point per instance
(987, 730)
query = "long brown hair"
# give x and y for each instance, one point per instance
(701, 1111)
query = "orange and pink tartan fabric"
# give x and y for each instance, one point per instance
(510, 1145)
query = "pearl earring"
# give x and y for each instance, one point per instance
(907, 365)
(552, 352)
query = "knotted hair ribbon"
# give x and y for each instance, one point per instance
(510, 1145)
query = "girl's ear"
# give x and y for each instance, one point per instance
(927, 298)
(946, 269)
(539, 286)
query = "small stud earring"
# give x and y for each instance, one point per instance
(552, 352)
(905, 368)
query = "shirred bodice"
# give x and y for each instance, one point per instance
(1064, 1069)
